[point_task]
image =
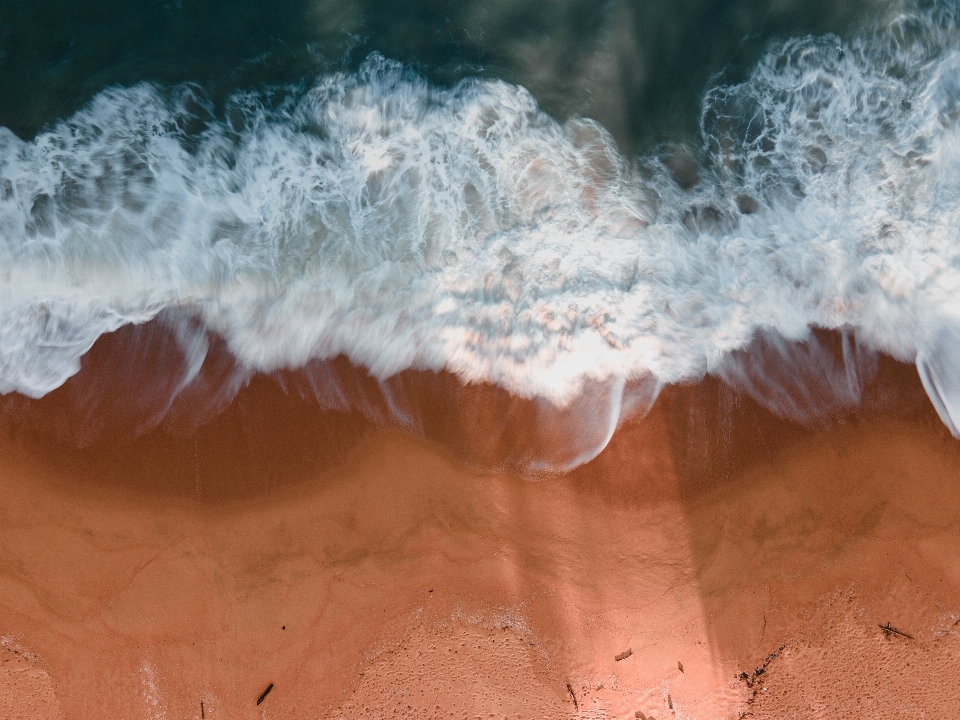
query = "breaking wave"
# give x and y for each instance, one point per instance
(406, 226)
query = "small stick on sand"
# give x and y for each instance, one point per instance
(888, 629)
(669, 702)
(624, 655)
(679, 666)
(264, 693)
(202, 714)
(576, 705)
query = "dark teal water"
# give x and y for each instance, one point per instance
(640, 67)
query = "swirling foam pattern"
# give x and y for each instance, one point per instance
(409, 226)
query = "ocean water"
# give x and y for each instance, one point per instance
(579, 203)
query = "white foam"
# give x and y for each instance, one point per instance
(939, 367)
(408, 226)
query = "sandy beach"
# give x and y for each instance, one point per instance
(737, 564)
(476, 360)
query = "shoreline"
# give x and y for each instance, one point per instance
(284, 544)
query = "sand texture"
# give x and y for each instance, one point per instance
(368, 573)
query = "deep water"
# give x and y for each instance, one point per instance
(640, 68)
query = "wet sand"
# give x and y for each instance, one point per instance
(368, 573)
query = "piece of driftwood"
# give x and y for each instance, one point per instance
(264, 693)
(624, 655)
(889, 630)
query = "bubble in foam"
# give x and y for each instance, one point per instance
(408, 226)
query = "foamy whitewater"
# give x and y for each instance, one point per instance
(409, 226)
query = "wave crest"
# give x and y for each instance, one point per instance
(406, 226)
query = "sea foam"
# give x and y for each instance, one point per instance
(402, 225)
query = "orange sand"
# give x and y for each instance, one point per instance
(368, 574)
